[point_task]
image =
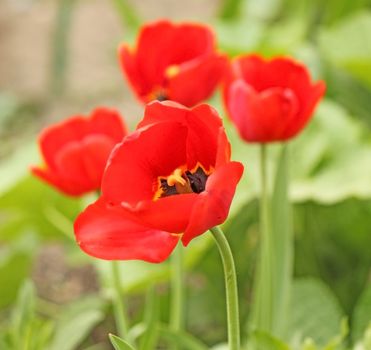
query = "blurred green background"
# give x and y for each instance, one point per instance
(58, 57)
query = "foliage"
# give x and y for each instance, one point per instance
(330, 188)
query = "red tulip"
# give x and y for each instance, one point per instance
(270, 100)
(76, 150)
(170, 180)
(176, 62)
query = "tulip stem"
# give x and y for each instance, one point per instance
(176, 310)
(263, 298)
(231, 288)
(60, 50)
(282, 238)
(119, 309)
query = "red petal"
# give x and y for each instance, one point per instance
(129, 66)
(224, 149)
(156, 112)
(69, 188)
(105, 121)
(212, 206)
(169, 213)
(202, 145)
(197, 80)
(251, 69)
(160, 45)
(203, 123)
(95, 151)
(109, 233)
(154, 47)
(163, 43)
(262, 117)
(54, 137)
(69, 165)
(191, 40)
(281, 72)
(316, 93)
(83, 163)
(278, 72)
(288, 73)
(135, 164)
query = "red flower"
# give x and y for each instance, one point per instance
(171, 179)
(75, 151)
(270, 100)
(173, 62)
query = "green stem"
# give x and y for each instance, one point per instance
(118, 303)
(282, 245)
(151, 319)
(128, 15)
(59, 46)
(231, 288)
(177, 287)
(263, 308)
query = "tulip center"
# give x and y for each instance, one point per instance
(161, 96)
(182, 181)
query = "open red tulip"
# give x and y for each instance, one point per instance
(270, 100)
(76, 150)
(170, 180)
(177, 62)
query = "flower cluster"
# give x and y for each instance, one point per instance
(172, 178)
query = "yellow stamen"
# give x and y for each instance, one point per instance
(199, 165)
(172, 71)
(176, 178)
(179, 235)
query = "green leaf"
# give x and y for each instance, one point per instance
(137, 330)
(44, 330)
(100, 346)
(151, 317)
(222, 346)
(362, 313)
(349, 92)
(23, 314)
(333, 344)
(29, 193)
(336, 342)
(282, 262)
(365, 344)
(16, 166)
(315, 311)
(232, 35)
(15, 257)
(26, 330)
(76, 322)
(325, 248)
(128, 15)
(181, 339)
(348, 45)
(119, 344)
(264, 341)
(230, 9)
(309, 344)
(322, 154)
